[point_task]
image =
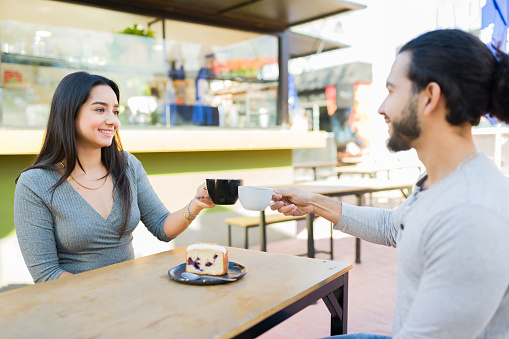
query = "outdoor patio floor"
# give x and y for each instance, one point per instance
(371, 297)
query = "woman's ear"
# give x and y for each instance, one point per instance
(431, 98)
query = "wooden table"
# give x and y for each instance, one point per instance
(350, 160)
(314, 166)
(371, 169)
(137, 299)
(338, 189)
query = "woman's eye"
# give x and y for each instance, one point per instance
(100, 109)
(116, 112)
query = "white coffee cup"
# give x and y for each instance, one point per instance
(255, 198)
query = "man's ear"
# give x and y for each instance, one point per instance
(431, 98)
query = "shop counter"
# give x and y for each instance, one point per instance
(179, 140)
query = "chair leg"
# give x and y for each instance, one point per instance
(263, 230)
(357, 250)
(246, 240)
(229, 235)
(331, 241)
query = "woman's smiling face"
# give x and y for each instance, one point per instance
(97, 120)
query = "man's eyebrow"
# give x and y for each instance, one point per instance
(102, 103)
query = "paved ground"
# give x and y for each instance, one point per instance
(372, 293)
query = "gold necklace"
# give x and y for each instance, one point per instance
(88, 188)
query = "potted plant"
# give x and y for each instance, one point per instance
(134, 50)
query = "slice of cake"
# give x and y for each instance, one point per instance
(203, 258)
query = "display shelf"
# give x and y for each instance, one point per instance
(70, 63)
(31, 67)
(220, 77)
(239, 79)
(15, 85)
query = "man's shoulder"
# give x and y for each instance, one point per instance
(486, 184)
(481, 190)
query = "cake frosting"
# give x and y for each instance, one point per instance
(204, 246)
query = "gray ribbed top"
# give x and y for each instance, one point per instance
(67, 234)
(453, 254)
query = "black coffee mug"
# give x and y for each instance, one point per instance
(224, 191)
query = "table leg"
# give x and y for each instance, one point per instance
(263, 235)
(357, 250)
(311, 239)
(337, 303)
(335, 296)
(357, 240)
(246, 238)
(331, 241)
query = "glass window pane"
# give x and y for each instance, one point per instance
(212, 77)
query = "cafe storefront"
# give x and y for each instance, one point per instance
(333, 101)
(170, 73)
(200, 88)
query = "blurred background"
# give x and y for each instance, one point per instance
(270, 104)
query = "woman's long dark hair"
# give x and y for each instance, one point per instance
(60, 138)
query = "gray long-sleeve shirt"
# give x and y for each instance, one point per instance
(453, 254)
(67, 234)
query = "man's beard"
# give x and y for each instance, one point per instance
(406, 130)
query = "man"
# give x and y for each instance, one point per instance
(452, 233)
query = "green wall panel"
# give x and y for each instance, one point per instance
(154, 164)
(10, 167)
(214, 161)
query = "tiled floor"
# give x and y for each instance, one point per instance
(372, 291)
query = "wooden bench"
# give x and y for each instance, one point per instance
(248, 222)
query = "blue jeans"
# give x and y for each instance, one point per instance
(359, 336)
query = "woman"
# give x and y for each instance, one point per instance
(76, 208)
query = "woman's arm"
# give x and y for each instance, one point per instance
(177, 222)
(34, 230)
(64, 274)
(155, 216)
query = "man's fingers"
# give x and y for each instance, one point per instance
(287, 210)
(277, 205)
